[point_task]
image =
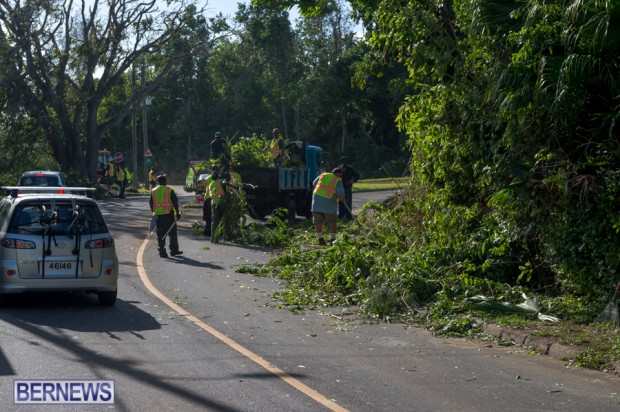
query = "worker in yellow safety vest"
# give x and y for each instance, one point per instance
(234, 176)
(206, 205)
(164, 204)
(121, 180)
(277, 147)
(328, 190)
(217, 189)
(153, 178)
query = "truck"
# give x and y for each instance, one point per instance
(269, 188)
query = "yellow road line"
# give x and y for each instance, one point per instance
(295, 383)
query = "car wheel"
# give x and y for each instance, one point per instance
(107, 298)
(4, 300)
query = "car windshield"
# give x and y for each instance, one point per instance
(57, 219)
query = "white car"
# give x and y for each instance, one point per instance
(56, 242)
(42, 178)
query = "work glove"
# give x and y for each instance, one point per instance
(178, 216)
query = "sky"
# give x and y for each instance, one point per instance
(229, 7)
(226, 7)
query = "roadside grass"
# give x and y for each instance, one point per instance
(381, 184)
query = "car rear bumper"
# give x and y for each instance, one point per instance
(13, 284)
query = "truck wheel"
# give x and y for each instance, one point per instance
(257, 214)
(292, 210)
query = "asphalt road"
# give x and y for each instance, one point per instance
(191, 334)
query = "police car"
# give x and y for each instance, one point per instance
(55, 242)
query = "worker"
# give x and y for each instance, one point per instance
(153, 178)
(121, 179)
(109, 178)
(349, 176)
(164, 204)
(277, 147)
(233, 176)
(218, 148)
(218, 191)
(328, 189)
(206, 205)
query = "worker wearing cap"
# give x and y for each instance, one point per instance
(328, 189)
(218, 147)
(165, 207)
(277, 147)
(349, 176)
(206, 205)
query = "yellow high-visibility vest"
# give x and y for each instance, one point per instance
(120, 174)
(326, 186)
(208, 181)
(274, 148)
(162, 205)
(217, 192)
(235, 178)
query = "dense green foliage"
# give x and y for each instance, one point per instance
(511, 125)
(510, 115)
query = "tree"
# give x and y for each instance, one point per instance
(268, 31)
(63, 58)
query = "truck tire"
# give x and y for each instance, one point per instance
(257, 214)
(291, 207)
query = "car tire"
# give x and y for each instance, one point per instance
(107, 298)
(4, 300)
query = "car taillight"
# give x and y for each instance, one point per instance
(61, 191)
(18, 244)
(100, 243)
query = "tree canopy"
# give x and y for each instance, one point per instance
(63, 58)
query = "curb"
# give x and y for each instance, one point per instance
(540, 344)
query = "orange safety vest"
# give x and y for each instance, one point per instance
(274, 148)
(162, 205)
(326, 186)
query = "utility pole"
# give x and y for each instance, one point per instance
(145, 133)
(188, 122)
(134, 132)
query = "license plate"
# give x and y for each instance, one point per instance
(59, 267)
